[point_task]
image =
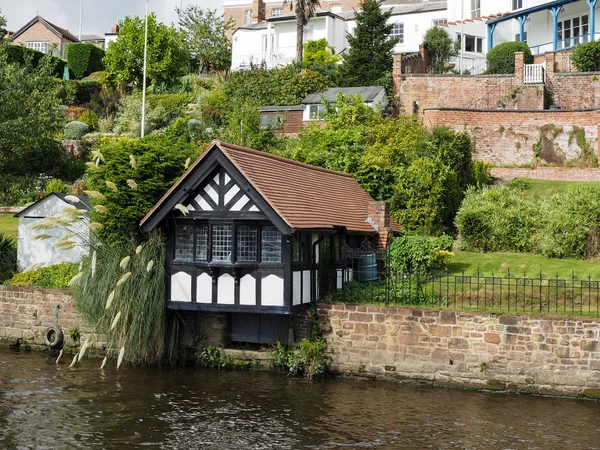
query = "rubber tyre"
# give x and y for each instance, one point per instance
(57, 339)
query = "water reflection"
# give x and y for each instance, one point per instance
(44, 406)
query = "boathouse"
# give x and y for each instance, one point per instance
(260, 237)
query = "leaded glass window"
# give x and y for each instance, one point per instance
(221, 242)
(271, 245)
(184, 242)
(247, 243)
(202, 243)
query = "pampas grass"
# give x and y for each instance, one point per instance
(95, 195)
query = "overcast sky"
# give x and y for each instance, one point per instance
(98, 15)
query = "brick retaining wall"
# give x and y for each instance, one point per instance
(508, 137)
(529, 354)
(546, 173)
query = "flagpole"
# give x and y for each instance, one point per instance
(80, 17)
(144, 80)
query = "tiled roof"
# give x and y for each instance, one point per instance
(304, 196)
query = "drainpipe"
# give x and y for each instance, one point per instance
(313, 277)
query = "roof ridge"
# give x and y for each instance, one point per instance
(280, 158)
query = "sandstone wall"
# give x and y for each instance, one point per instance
(26, 313)
(529, 354)
(546, 173)
(508, 137)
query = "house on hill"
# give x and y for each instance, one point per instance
(43, 36)
(260, 237)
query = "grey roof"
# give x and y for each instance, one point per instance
(292, 15)
(368, 93)
(58, 31)
(82, 198)
(281, 108)
(91, 37)
(262, 25)
(400, 7)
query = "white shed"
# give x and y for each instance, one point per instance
(314, 108)
(42, 251)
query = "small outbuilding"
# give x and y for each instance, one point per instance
(314, 109)
(42, 251)
(260, 237)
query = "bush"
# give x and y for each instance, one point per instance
(76, 130)
(19, 54)
(84, 59)
(420, 254)
(308, 358)
(440, 48)
(586, 57)
(53, 277)
(160, 160)
(501, 59)
(74, 92)
(8, 257)
(90, 118)
(56, 185)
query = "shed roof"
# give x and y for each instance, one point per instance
(368, 93)
(82, 198)
(281, 108)
(304, 196)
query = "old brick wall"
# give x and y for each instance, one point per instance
(25, 313)
(529, 354)
(576, 90)
(547, 173)
(465, 91)
(506, 137)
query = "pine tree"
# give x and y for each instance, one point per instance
(370, 55)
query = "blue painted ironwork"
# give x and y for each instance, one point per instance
(592, 4)
(522, 20)
(555, 11)
(527, 11)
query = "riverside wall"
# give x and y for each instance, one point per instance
(465, 349)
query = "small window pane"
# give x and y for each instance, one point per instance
(221, 243)
(202, 243)
(184, 243)
(276, 12)
(247, 243)
(271, 245)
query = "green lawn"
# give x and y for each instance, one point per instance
(8, 225)
(500, 263)
(546, 188)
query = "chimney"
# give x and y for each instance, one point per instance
(258, 10)
(378, 215)
(116, 29)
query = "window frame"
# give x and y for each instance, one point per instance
(278, 13)
(438, 22)
(475, 9)
(398, 34)
(316, 111)
(517, 4)
(40, 46)
(335, 8)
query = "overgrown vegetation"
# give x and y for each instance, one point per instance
(586, 57)
(57, 276)
(211, 357)
(420, 254)
(501, 59)
(8, 257)
(309, 358)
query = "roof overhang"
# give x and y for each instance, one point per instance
(527, 11)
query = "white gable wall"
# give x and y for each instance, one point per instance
(42, 251)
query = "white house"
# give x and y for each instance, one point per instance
(42, 251)
(543, 25)
(273, 41)
(314, 109)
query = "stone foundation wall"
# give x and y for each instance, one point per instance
(529, 354)
(26, 313)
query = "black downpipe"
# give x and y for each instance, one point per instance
(313, 277)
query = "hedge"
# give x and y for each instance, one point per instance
(586, 57)
(84, 59)
(17, 54)
(501, 59)
(75, 92)
(52, 277)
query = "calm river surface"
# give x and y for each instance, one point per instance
(43, 406)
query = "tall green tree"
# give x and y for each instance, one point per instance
(369, 58)
(30, 118)
(440, 48)
(304, 9)
(205, 36)
(168, 55)
(2, 25)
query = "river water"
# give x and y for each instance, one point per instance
(44, 406)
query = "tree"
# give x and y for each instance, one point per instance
(2, 26)
(439, 47)
(370, 55)
(30, 118)
(318, 53)
(304, 9)
(168, 56)
(205, 37)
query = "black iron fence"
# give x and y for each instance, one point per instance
(505, 293)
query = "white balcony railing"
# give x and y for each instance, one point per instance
(534, 73)
(280, 56)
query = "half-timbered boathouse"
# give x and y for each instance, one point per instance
(259, 236)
